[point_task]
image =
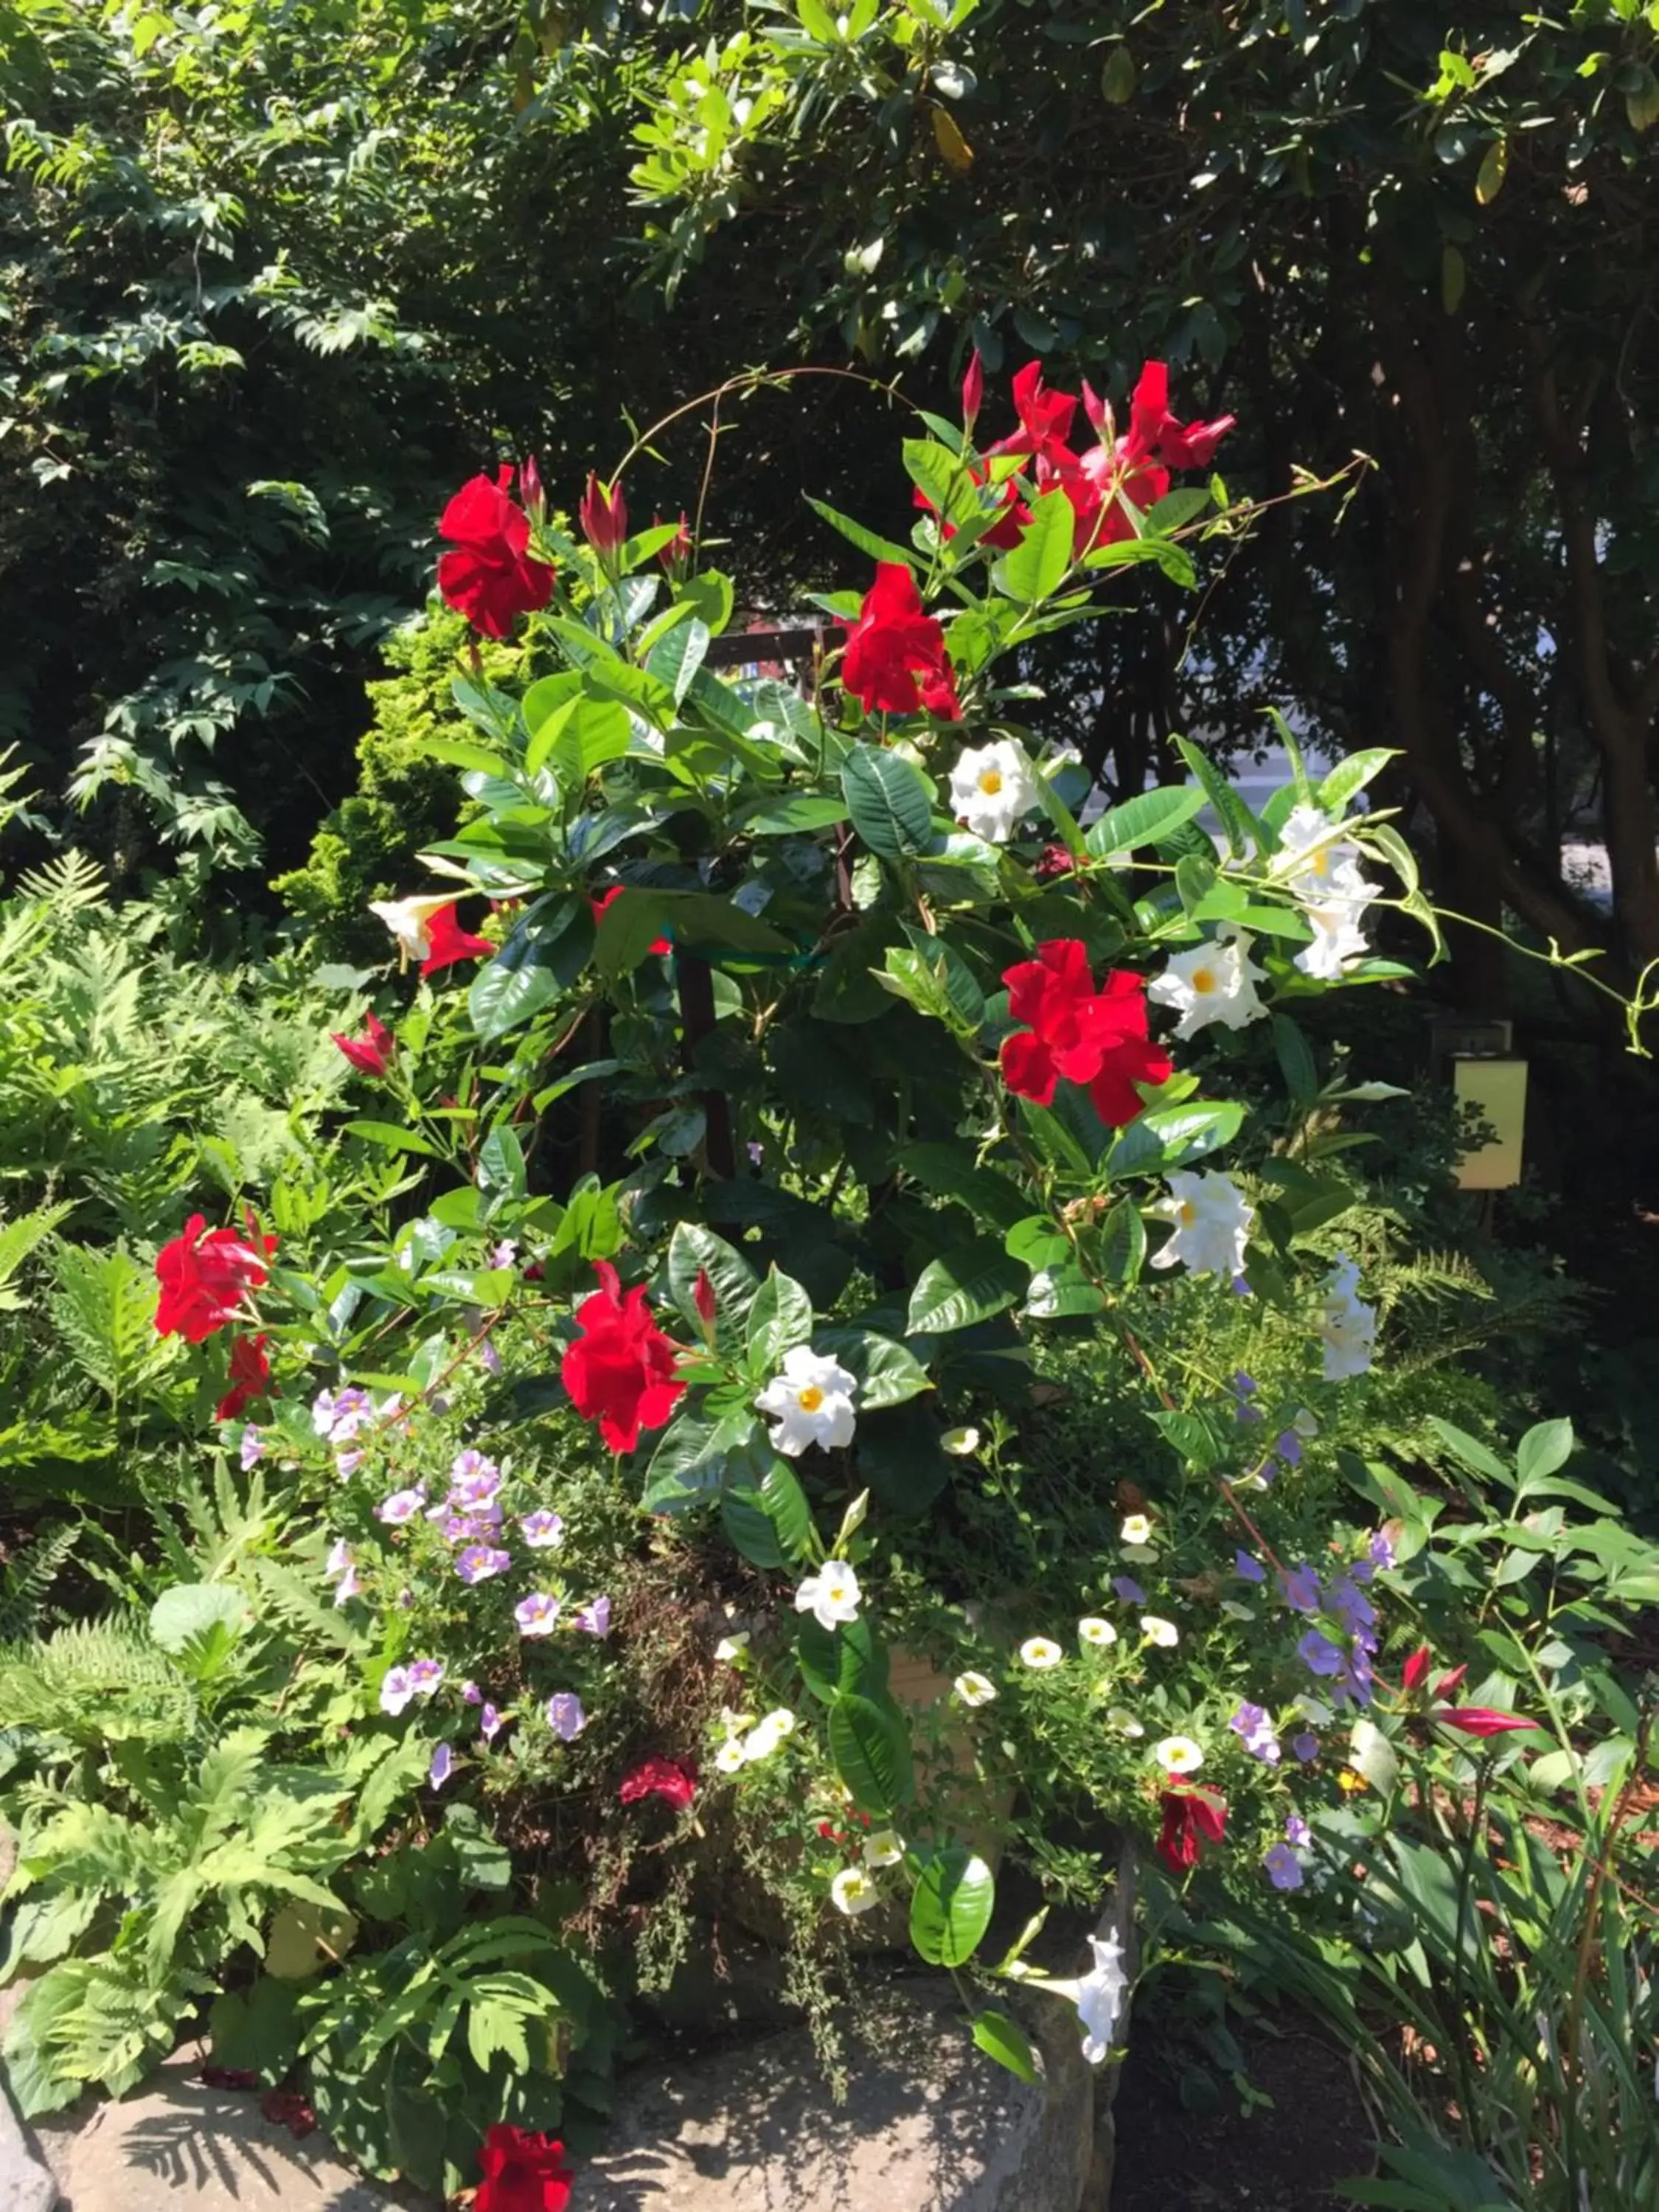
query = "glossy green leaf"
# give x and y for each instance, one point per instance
(951, 1906)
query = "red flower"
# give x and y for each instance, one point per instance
(204, 1275)
(287, 2108)
(529, 490)
(702, 1297)
(490, 577)
(521, 2172)
(1005, 533)
(372, 1051)
(600, 904)
(1095, 1038)
(603, 513)
(1192, 1817)
(1155, 432)
(1045, 417)
(621, 1372)
(249, 1377)
(1416, 1667)
(892, 645)
(1478, 1720)
(447, 942)
(675, 556)
(659, 1777)
(973, 392)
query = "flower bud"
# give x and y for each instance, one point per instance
(530, 490)
(1416, 1667)
(603, 514)
(973, 392)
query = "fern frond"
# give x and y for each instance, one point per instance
(28, 1578)
(67, 884)
(18, 1238)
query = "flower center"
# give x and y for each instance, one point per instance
(1186, 1213)
(990, 781)
(810, 1399)
(1203, 981)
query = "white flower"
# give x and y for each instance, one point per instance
(1347, 1325)
(1337, 938)
(407, 920)
(1098, 1997)
(973, 1689)
(1041, 1651)
(991, 787)
(852, 1891)
(1125, 1723)
(961, 1443)
(1316, 860)
(831, 1595)
(729, 1646)
(1156, 1629)
(1136, 1529)
(1213, 982)
(882, 1849)
(1178, 1755)
(764, 1739)
(811, 1402)
(1093, 1630)
(1306, 1424)
(729, 1758)
(1211, 1218)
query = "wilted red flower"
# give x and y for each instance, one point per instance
(447, 942)
(372, 1051)
(659, 1777)
(521, 2172)
(287, 2108)
(1192, 1817)
(204, 1275)
(621, 1370)
(608, 898)
(1478, 1720)
(1052, 861)
(249, 1377)
(896, 661)
(603, 513)
(1095, 1038)
(490, 577)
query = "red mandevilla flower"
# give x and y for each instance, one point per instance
(659, 1777)
(1045, 418)
(1009, 528)
(490, 577)
(1098, 1039)
(521, 2172)
(204, 1274)
(371, 1052)
(447, 942)
(1192, 1817)
(249, 1377)
(603, 513)
(1478, 1720)
(621, 1370)
(896, 662)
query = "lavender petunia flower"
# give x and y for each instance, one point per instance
(594, 1617)
(1305, 1746)
(1250, 1723)
(1284, 1867)
(472, 1695)
(1380, 1551)
(565, 1716)
(336, 1415)
(442, 1767)
(1244, 1386)
(1129, 1590)
(347, 1463)
(402, 1505)
(490, 1358)
(424, 1676)
(1248, 1570)
(253, 1446)
(348, 1586)
(396, 1690)
(537, 1614)
(480, 1561)
(489, 1724)
(542, 1530)
(504, 1253)
(1297, 1830)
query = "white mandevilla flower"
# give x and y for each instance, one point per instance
(1098, 1995)
(1093, 1630)
(882, 1849)
(1337, 938)
(1213, 982)
(1347, 1325)
(1211, 1218)
(1041, 1652)
(764, 1739)
(1136, 1529)
(975, 1689)
(1315, 860)
(991, 787)
(831, 1595)
(1178, 1755)
(852, 1892)
(407, 920)
(811, 1403)
(1156, 1629)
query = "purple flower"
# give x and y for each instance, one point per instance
(490, 1357)
(1289, 1447)
(442, 1767)
(565, 1716)
(253, 1446)
(337, 1415)
(1300, 1589)
(1250, 1723)
(1244, 1386)
(504, 1253)
(346, 1462)
(541, 1529)
(1240, 1288)
(537, 1614)
(473, 1481)
(396, 1690)
(480, 1561)
(1129, 1591)
(756, 1151)
(1297, 1830)
(595, 1618)
(348, 1586)
(472, 1693)
(1380, 1551)
(489, 1724)
(1284, 1867)
(1248, 1570)
(402, 1505)
(424, 1676)
(469, 1528)
(1305, 1746)
(1352, 1607)
(1320, 1655)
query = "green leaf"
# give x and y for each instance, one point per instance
(892, 807)
(940, 475)
(848, 1660)
(950, 1171)
(867, 541)
(1171, 1136)
(951, 1906)
(697, 1456)
(1351, 775)
(675, 658)
(1452, 277)
(1034, 567)
(541, 958)
(1544, 1447)
(1295, 1060)
(780, 1318)
(750, 1528)
(1244, 830)
(888, 1372)
(395, 1138)
(189, 1609)
(870, 1744)
(786, 1507)
(1123, 1244)
(695, 920)
(694, 1250)
(1147, 819)
(793, 813)
(1473, 1453)
(1001, 2038)
(963, 1287)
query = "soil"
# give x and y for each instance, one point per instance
(1284, 2157)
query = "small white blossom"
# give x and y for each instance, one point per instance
(961, 1443)
(764, 1739)
(882, 1849)
(1124, 1721)
(831, 1595)
(1213, 983)
(975, 1689)
(1211, 1218)
(1178, 1755)
(1156, 1629)
(992, 787)
(1041, 1652)
(852, 1892)
(1136, 1529)
(729, 1647)
(1093, 1630)
(729, 1758)
(1347, 1325)
(810, 1403)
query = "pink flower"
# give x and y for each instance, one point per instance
(659, 1777)
(1478, 1720)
